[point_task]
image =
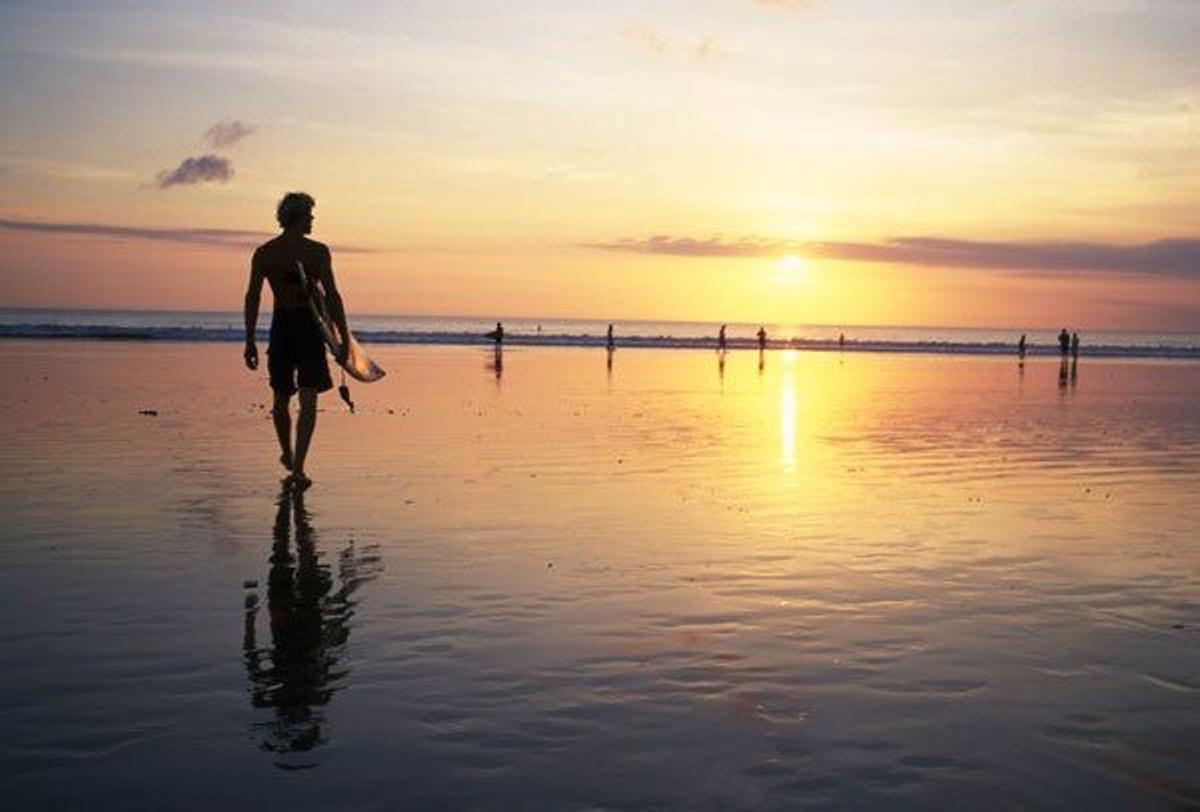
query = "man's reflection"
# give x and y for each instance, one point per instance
(497, 362)
(309, 610)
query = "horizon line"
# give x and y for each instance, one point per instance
(716, 322)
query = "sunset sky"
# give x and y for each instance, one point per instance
(942, 162)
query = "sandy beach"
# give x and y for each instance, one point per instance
(855, 580)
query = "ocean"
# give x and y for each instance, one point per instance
(140, 325)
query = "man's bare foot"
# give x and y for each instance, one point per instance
(300, 482)
(286, 461)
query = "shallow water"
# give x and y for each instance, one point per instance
(852, 581)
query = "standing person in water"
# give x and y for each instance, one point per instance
(762, 338)
(721, 339)
(1074, 345)
(497, 335)
(296, 352)
(1021, 346)
(611, 342)
(1064, 341)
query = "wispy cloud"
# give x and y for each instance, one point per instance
(196, 170)
(226, 133)
(201, 236)
(692, 247)
(66, 170)
(217, 237)
(788, 5)
(659, 44)
(647, 37)
(706, 49)
(1173, 257)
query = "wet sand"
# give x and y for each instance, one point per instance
(854, 581)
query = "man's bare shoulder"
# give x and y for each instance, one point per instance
(315, 247)
(268, 248)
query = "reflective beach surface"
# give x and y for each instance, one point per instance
(555, 579)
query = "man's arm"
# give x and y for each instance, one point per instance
(253, 296)
(333, 300)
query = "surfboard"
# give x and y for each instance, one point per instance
(358, 364)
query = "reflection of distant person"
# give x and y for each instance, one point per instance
(1021, 346)
(721, 338)
(762, 337)
(496, 335)
(296, 353)
(1074, 345)
(611, 342)
(1064, 341)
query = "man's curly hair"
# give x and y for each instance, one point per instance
(293, 207)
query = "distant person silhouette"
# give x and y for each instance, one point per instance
(762, 337)
(296, 352)
(721, 339)
(496, 335)
(611, 342)
(1064, 341)
(841, 341)
(1074, 345)
(1021, 346)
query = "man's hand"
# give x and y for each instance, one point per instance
(251, 355)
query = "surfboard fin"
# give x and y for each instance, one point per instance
(344, 391)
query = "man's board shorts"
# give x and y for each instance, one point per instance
(296, 353)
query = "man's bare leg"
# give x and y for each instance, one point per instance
(305, 423)
(283, 428)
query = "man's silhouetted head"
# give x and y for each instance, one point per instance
(295, 211)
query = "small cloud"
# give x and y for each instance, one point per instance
(226, 133)
(196, 170)
(647, 37)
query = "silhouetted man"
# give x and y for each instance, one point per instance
(762, 338)
(1064, 341)
(296, 353)
(721, 339)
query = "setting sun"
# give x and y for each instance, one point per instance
(791, 269)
